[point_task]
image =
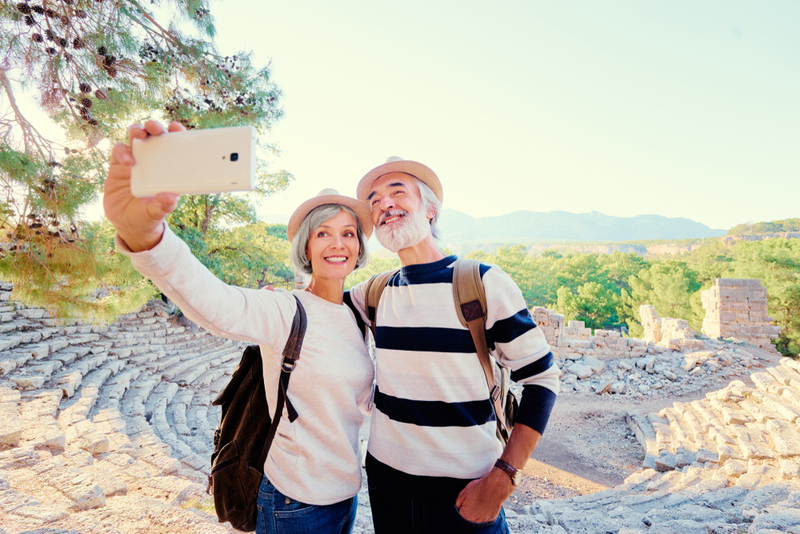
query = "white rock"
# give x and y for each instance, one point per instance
(617, 387)
(596, 365)
(580, 370)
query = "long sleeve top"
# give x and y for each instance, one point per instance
(316, 459)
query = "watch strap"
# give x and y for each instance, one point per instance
(513, 473)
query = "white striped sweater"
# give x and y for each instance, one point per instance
(433, 416)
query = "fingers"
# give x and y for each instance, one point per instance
(136, 131)
(121, 154)
(162, 205)
(154, 128)
(176, 127)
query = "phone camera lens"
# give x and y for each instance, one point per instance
(234, 156)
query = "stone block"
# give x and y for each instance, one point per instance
(580, 370)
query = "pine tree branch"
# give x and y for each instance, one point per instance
(165, 33)
(28, 130)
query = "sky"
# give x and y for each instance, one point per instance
(682, 109)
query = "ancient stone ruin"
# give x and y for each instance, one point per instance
(109, 429)
(738, 309)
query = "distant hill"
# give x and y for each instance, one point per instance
(529, 227)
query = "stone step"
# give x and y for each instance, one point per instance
(10, 423)
(38, 416)
(73, 483)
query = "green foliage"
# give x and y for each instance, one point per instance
(772, 227)
(98, 67)
(99, 285)
(376, 265)
(777, 263)
(667, 286)
(605, 291)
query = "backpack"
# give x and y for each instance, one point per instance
(246, 431)
(469, 297)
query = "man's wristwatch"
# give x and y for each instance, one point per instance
(510, 470)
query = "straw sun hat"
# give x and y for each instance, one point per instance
(330, 196)
(395, 164)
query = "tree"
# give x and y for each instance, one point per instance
(98, 66)
(776, 262)
(667, 286)
(376, 265)
(591, 303)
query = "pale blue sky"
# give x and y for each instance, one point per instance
(684, 108)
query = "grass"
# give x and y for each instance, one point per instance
(204, 504)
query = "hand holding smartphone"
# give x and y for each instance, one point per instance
(194, 162)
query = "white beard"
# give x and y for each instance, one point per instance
(411, 230)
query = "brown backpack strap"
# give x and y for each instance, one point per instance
(291, 353)
(373, 289)
(470, 298)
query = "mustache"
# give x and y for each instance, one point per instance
(391, 213)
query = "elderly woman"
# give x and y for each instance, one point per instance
(313, 471)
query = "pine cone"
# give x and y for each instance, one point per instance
(101, 50)
(77, 43)
(49, 34)
(85, 88)
(37, 37)
(62, 42)
(99, 95)
(23, 8)
(93, 121)
(112, 72)
(50, 13)
(37, 9)
(86, 102)
(29, 21)
(68, 2)
(84, 112)
(51, 51)
(109, 60)
(81, 14)
(64, 20)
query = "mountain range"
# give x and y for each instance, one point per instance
(530, 226)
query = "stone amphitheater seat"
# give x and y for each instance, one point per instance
(132, 427)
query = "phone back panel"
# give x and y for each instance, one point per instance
(194, 162)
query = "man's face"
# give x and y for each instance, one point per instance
(396, 204)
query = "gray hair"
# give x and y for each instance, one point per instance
(312, 221)
(429, 200)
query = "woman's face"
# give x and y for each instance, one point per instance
(333, 247)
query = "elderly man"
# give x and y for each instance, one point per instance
(434, 462)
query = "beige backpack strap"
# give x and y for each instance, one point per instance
(470, 298)
(372, 295)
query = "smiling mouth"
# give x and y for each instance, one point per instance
(387, 219)
(336, 259)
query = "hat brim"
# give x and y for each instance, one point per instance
(361, 210)
(415, 169)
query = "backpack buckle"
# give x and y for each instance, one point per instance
(288, 365)
(494, 394)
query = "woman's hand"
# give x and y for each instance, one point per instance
(139, 221)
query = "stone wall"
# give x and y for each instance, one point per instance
(667, 332)
(737, 308)
(575, 341)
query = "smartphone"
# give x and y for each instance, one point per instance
(194, 162)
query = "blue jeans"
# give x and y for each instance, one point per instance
(278, 514)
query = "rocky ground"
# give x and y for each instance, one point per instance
(108, 430)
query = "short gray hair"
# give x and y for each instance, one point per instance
(311, 222)
(429, 200)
